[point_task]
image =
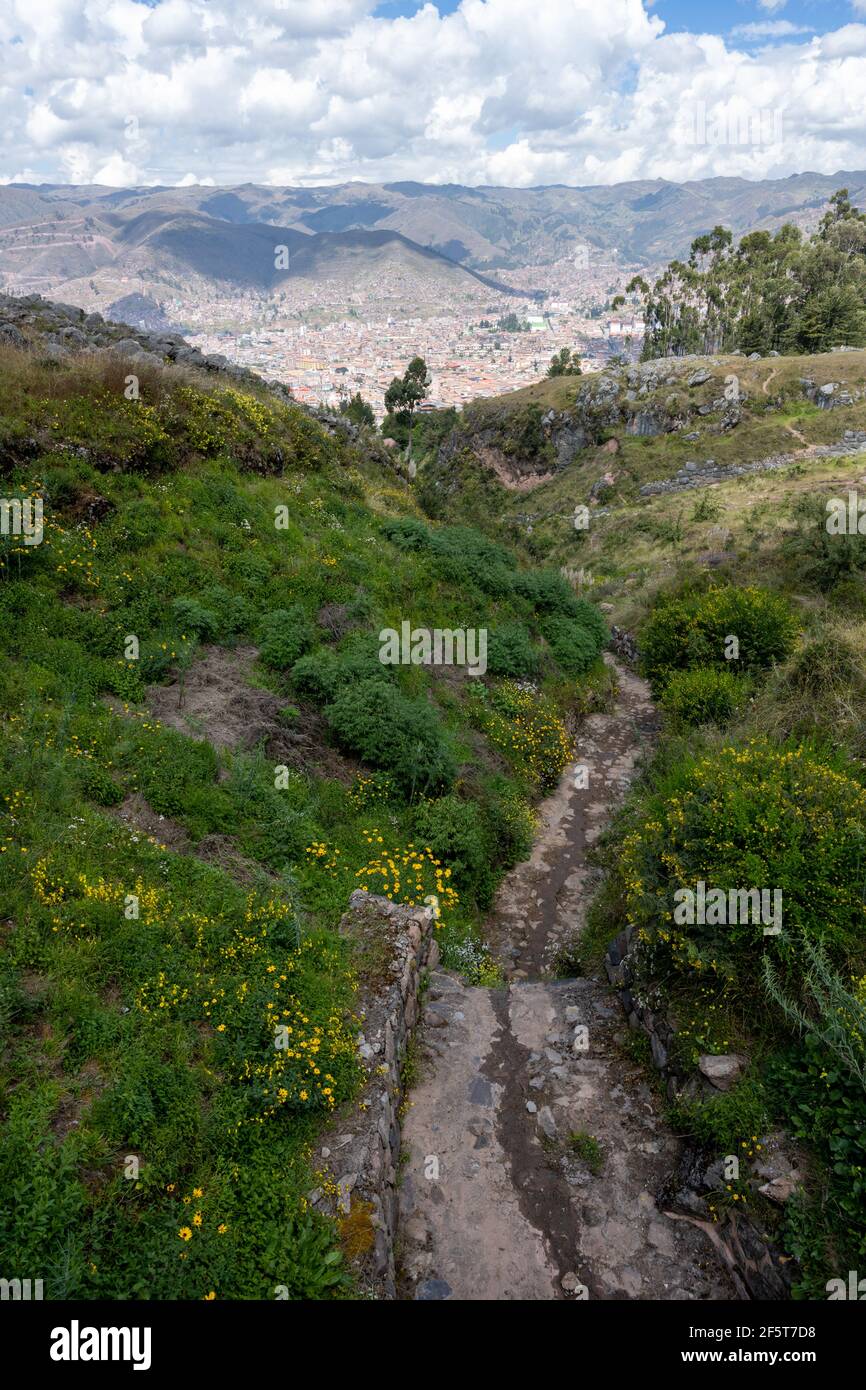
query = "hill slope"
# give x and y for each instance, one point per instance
(203, 755)
(714, 506)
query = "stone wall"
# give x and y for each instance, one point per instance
(358, 1162)
(694, 474)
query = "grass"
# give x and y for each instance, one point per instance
(172, 880)
(587, 1148)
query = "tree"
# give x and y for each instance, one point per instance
(774, 291)
(564, 363)
(356, 409)
(407, 392)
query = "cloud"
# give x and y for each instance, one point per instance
(770, 29)
(300, 92)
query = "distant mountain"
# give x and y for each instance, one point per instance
(57, 237)
(485, 229)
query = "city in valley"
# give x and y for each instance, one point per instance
(332, 335)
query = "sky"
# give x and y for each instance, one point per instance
(508, 92)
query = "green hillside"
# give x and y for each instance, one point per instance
(759, 779)
(203, 756)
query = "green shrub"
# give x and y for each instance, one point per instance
(817, 558)
(510, 651)
(453, 831)
(823, 666)
(511, 821)
(548, 592)
(726, 1121)
(319, 675)
(374, 720)
(749, 817)
(574, 644)
(819, 1101)
(704, 695)
(190, 616)
(284, 636)
(692, 630)
(99, 785)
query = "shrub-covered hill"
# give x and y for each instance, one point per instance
(530, 457)
(202, 756)
(759, 780)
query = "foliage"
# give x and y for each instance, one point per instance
(565, 363)
(772, 292)
(394, 732)
(359, 411)
(510, 651)
(693, 630)
(749, 817)
(285, 634)
(526, 729)
(702, 695)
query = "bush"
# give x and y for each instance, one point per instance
(820, 1102)
(548, 592)
(322, 673)
(692, 631)
(755, 816)
(190, 616)
(99, 785)
(374, 720)
(451, 828)
(819, 559)
(510, 651)
(285, 635)
(823, 666)
(510, 820)
(526, 728)
(575, 645)
(702, 696)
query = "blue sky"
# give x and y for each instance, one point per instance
(697, 16)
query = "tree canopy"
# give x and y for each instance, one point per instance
(773, 290)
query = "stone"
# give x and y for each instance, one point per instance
(721, 1070)
(432, 1289)
(10, 334)
(546, 1122)
(531, 1107)
(779, 1189)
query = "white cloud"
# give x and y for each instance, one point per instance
(769, 29)
(498, 91)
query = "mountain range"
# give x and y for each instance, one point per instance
(54, 236)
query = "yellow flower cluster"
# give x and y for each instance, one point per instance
(371, 788)
(527, 729)
(229, 977)
(408, 875)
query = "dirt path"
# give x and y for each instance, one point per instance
(534, 1146)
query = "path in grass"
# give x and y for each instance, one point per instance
(534, 1146)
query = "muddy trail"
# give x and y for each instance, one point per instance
(534, 1147)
